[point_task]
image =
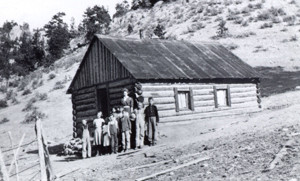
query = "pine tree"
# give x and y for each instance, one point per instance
(121, 9)
(96, 20)
(58, 37)
(160, 31)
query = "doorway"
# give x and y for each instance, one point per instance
(102, 102)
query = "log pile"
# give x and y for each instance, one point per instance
(72, 147)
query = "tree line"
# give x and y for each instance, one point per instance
(43, 46)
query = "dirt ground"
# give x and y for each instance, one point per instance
(239, 147)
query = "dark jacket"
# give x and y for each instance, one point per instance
(151, 111)
(125, 124)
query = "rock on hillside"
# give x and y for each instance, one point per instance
(261, 32)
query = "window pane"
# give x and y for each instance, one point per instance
(222, 98)
(183, 100)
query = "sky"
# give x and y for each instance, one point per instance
(39, 12)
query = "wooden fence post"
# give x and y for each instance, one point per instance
(45, 165)
(3, 171)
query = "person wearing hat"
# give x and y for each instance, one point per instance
(140, 125)
(86, 143)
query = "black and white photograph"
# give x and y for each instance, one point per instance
(149, 90)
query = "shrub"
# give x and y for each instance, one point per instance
(41, 83)
(246, 10)
(160, 31)
(35, 84)
(41, 96)
(4, 120)
(13, 83)
(3, 103)
(290, 20)
(32, 117)
(29, 106)
(26, 92)
(51, 76)
(9, 94)
(129, 29)
(58, 85)
(222, 29)
(14, 100)
(231, 46)
(245, 23)
(276, 20)
(3, 89)
(277, 11)
(266, 25)
(265, 15)
(294, 38)
(238, 20)
(23, 83)
(284, 30)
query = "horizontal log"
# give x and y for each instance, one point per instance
(116, 96)
(197, 92)
(115, 102)
(119, 89)
(85, 101)
(85, 96)
(162, 100)
(242, 89)
(161, 107)
(120, 83)
(158, 93)
(85, 90)
(86, 113)
(242, 85)
(204, 103)
(214, 113)
(244, 104)
(203, 97)
(243, 94)
(165, 87)
(85, 107)
(243, 99)
(101, 86)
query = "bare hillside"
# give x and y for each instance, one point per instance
(261, 32)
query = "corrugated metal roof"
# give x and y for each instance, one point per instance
(172, 59)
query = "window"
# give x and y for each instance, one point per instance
(184, 99)
(222, 97)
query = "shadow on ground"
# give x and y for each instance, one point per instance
(275, 80)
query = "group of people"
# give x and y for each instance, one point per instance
(127, 126)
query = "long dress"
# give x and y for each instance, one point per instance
(98, 130)
(105, 135)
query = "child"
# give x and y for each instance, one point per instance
(126, 131)
(86, 143)
(152, 118)
(140, 125)
(98, 132)
(105, 137)
(113, 133)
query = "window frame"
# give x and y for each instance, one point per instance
(228, 96)
(190, 99)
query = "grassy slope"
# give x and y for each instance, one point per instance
(268, 47)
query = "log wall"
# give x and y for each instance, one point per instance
(85, 105)
(244, 98)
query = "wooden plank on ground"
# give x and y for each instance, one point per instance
(174, 168)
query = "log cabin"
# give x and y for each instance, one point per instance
(188, 80)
